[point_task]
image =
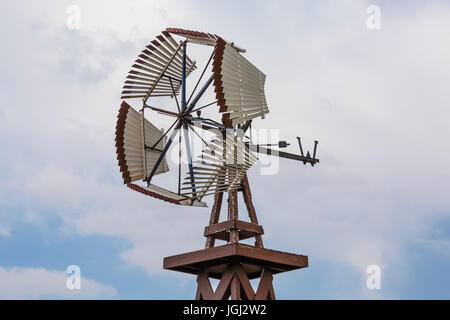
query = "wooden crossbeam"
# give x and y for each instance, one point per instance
(222, 230)
(232, 230)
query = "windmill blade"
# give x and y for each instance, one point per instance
(195, 36)
(221, 166)
(198, 37)
(133, 133)
(239, 86)
(159, 62)
(166, 195)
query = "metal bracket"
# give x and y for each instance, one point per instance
(308, 155)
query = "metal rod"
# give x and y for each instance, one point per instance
(163, 153)
(300, 144)
(183, 79)
(162, 110)
(159, 140)
(315, 148)
(209, 104)
(201, 76)
(179, 163)
(144, 153)
(208, 122)
(153, 149)
(185, 127)
(173, 78)
(189, 155)
(175, 95)
(200, 94)
(246, 125)
(198, 135)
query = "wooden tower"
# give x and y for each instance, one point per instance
(234, 264)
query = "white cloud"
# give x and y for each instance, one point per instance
(40, 283)
(5, 230)
(440, 247)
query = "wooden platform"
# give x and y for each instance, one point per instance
(216, 259)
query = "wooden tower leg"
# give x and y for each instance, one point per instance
(235, 285)
(233, 215)
(235, 288)
(214, 219)
(251, 210)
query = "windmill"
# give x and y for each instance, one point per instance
(162, 70)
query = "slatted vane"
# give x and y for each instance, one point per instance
(195, 36)
(133, 134)
(165, 195)
(158, 70)
(239, 86)
(221, 167)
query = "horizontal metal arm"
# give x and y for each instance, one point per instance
(280, 144)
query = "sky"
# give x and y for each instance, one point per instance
(376, 99)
